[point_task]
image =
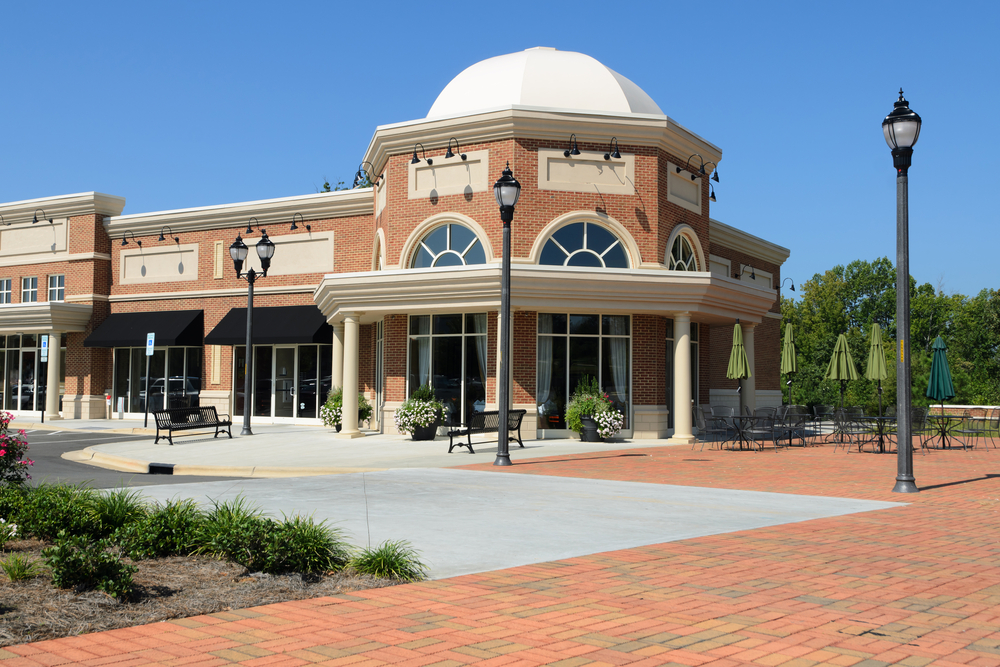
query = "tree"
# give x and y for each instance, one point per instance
(851, 299)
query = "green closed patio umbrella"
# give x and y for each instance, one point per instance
(739, 366)
(789, 366)
(841, 365)
(940, 387)
(876, 362)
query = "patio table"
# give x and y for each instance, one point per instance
(882, 428)
(944, 425)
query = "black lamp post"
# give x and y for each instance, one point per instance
(506, 190)
(238, 251)
(902, 128)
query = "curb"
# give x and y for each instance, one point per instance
(50, 426)
(98, 459)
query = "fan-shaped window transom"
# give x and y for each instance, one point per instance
(584, 244)
(448, 245)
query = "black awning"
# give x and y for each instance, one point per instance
(172, 327)
(273, 326)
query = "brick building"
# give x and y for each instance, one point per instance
(619, 272)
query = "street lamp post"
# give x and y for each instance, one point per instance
(238, 251)
(506, 190)
(901, 129)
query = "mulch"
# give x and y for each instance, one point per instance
(166, 588)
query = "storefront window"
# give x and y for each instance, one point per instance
(571, 347)
(449, 352)
(25, 374)
(174, 378)
(290, 381)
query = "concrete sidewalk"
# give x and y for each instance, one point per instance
(291, 450)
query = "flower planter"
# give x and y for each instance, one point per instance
(426, 432)
(589, 431)
(361, 415)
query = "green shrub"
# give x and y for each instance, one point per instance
(301, 545)
(237, 532)
(396, 560)
(587, 399)
(19, 568)
(51, 508)
(113, 510)
(80, 562)
(12, 500)
(166, 530)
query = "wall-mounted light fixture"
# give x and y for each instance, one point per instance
(163, 238)
(701, 169)
(34, 218)
(572, 150)
(3, 222)
(250, 224)
(125, 238)
(613, 144)
(743, 270)
(715, 171)
(711, 193)
(786, 280)
(415, 159)
(294, 226)
(449, 154)
(365, 174)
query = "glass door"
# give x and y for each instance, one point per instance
(284, 382)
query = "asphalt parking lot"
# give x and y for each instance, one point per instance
(46, 448)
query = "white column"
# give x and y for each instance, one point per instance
(337, 372)
(682, 379)
(52, 379)
(349, 411)
(750, 384)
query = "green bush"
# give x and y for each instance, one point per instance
(397, 560)
(80, 562)
(51, 508)
(113, 510)
(12, 502)
(237, 532)
(587, 399)
(19, 568)
(166, 530)
(14, 461)
(301, 545)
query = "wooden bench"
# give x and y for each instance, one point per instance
(487, 422)
(185, 419)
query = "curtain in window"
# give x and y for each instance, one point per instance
(424, 361)
(619, 358)
(480, 324)
(544, 371)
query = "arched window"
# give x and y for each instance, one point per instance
(682, 256)
(584, 244)
(448, 245)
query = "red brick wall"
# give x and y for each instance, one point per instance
(524, 347)
(649, 372)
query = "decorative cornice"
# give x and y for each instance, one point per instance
(87, 297)
(62, 206)
(211, 293)
(45, 316)
(541, 124)
(55, 257)
(736, 239)
(709, 298)
(340, 204)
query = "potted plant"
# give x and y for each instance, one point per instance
(420, 415)
(330, 412)
(590, 412)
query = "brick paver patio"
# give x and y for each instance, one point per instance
(911, 585)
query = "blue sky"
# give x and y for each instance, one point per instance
(182, 104)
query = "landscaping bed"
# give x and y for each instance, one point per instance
(165, 588)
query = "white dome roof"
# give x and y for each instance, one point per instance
(542, 77)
